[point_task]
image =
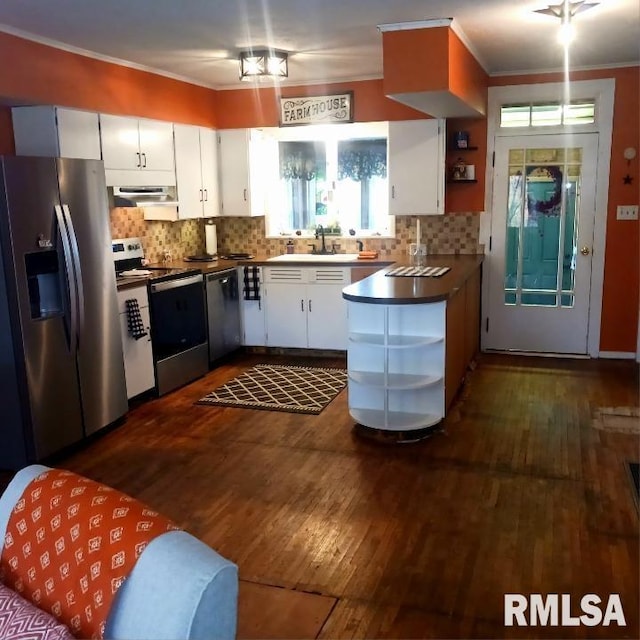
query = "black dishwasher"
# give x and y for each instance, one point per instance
(223, 307)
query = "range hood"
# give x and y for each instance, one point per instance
(144, 196)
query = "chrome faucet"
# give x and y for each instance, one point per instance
(320, 233)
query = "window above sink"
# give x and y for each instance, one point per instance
(334, 176)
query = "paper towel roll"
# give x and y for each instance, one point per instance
(210, 239)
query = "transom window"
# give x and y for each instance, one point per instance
(547, 114)
(332, 175)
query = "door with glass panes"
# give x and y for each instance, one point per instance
(539, 266)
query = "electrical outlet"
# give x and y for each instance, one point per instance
(627, 212)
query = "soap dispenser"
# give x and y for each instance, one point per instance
(290, 246)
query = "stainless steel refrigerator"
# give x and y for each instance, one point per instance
(61, 356)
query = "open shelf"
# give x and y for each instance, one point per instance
(459, 181)
(394, 380)
(393, 341)
(393, 420)
(454, 149)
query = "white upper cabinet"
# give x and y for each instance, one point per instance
(416, 167)
(242, 190)
(196, 171)
(137, 152)
(54, 131)
(209, 167)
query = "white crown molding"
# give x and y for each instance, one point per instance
(415, 24)
(98, 56)
(595, 67)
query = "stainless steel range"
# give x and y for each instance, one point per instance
(178, 315)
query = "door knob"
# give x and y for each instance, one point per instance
(585, 251)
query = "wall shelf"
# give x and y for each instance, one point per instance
(452, 149)
(459, 181)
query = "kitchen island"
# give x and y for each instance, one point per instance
(411, 340)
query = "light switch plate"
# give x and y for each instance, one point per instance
(627, 212)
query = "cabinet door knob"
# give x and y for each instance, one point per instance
(139, 159)
(302, 305)
(393, 191)
(309, 306)
(144, 160)
(585, 251)
(200, 192)
(206, 195)
(244, 195)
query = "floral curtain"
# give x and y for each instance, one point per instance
(302, 160)
(362, 159)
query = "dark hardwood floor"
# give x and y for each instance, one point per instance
(340, 537)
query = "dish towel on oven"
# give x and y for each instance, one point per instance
(134, 319)
(251, 283)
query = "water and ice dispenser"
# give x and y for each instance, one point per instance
(44, 283)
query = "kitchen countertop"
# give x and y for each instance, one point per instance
(382, 289)
(430, 286)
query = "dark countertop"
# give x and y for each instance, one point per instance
(203, 267)
(381, 289)
(433, 288)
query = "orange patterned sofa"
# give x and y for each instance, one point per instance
(106, 565)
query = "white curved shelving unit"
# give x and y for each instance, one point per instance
(396, 365)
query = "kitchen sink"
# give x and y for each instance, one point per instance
(314, 257)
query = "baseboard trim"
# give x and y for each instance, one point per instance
(538, 354)
(617, 355)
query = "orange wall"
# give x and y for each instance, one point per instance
(237, 108)
(416, 60)
(467, 197)
(622, 256)
(6, 132)
(432, 60)
(38, 74)
(467, 79)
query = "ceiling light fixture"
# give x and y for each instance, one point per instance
(565, 11)
(259, 64)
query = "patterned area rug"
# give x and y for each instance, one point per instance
(280, 388)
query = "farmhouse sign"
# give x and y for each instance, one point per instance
(316, 109)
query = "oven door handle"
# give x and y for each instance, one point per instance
(174, 284)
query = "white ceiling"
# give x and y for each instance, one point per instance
(328, 40)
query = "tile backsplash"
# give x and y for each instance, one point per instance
(160, 240)
(452, 233)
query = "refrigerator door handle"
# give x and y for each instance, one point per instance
(71, 279)
(75, 254)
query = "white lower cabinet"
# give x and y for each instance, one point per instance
(396, 364)
(138, 356)
(305, 308)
